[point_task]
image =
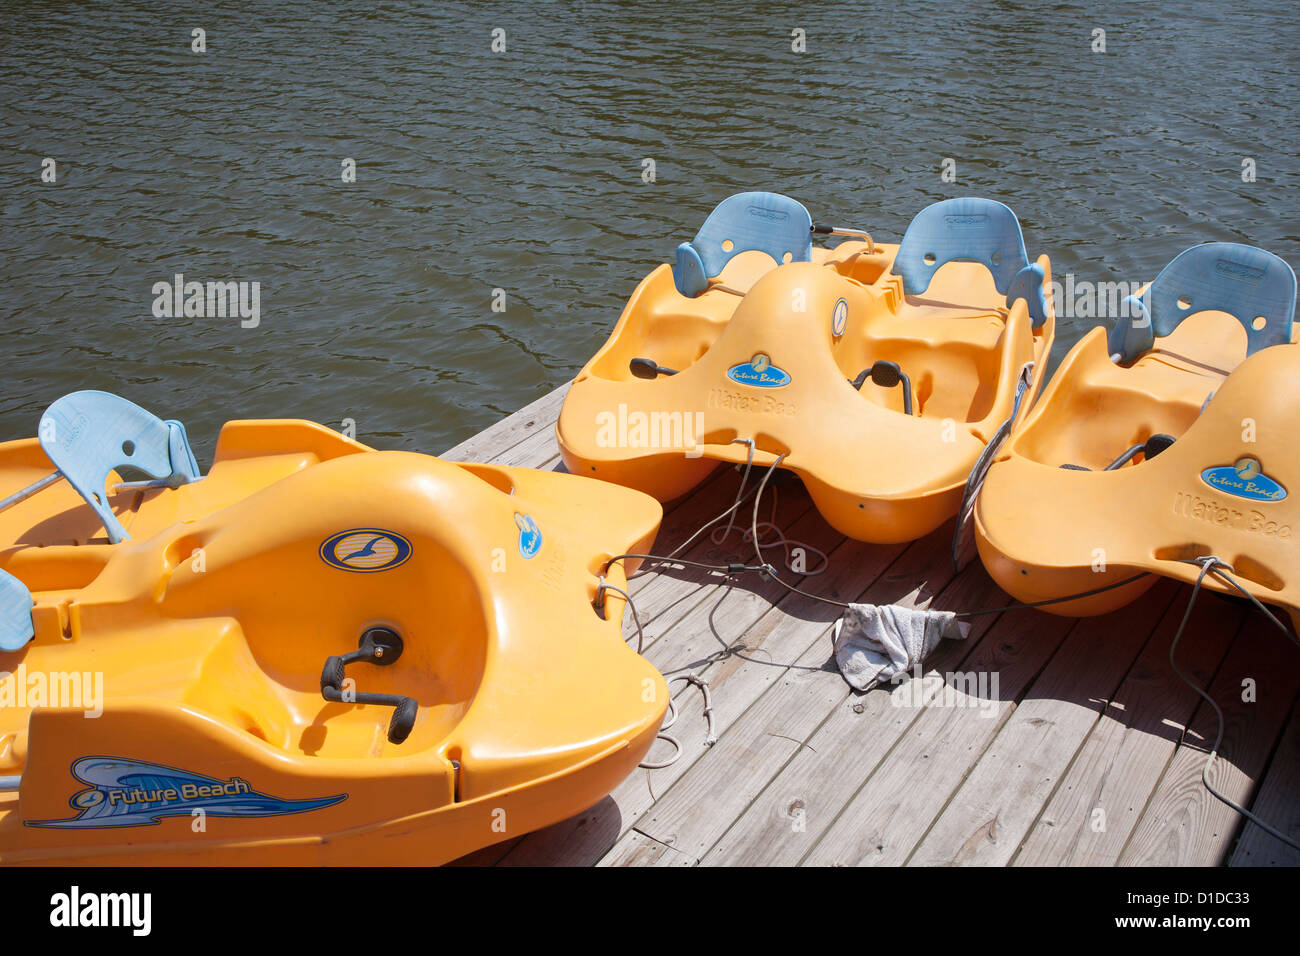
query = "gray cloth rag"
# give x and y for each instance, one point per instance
(876, 644)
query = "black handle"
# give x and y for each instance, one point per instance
(887, 375)
(647, 368)
(1149, 449)
(378, 645)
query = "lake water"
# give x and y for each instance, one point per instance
(522, 171)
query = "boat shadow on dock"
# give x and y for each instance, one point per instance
(1037, 740)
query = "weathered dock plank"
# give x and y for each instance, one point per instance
(1087, 714)
(495, 440)
(1276, 805)
(703, 631)
(890, 815)
(997, 804)
(1090, 817)
(641, 850)
(714, 793)
(785, 821)
(1184, 823)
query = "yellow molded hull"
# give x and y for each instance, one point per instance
(209, 628)
(1046, 532)
(875, 473)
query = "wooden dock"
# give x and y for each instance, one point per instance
(1089, 751)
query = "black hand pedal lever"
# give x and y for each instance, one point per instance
(886, 375)
(1150, 448)
(378, 645)
(646, 368)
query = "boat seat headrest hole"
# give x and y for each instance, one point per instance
(969, 229)
(762, 221)
(1255, 287)
(89, 434)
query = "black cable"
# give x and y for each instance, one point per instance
(960, 614)
(771, 571)
(1059, 600)
(734, 568)
(627, 599)
(1209, 564)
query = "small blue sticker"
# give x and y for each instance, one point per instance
(365, 550)
(131, 793)
(759, 371)
(530, 536)
(840, 318)
(1244, 479)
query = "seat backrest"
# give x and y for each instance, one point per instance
(768, 222)
(1255, 287)
(15, 613)
(89, 434)
(961, 230)
(1030, 284)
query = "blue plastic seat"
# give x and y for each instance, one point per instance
(769, 222)
(1255, 287)
(972, 230)
(89, 434)
(15, 613)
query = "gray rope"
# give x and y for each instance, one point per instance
(975, 480)
(709, 741)
(606, 586)
(697, 681)
(790, 545)
(758, 547)
(1211, 564)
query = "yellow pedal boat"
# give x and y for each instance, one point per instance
(877, 373)
(1169, 443)
(315, 654)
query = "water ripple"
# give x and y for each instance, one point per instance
(522, 171)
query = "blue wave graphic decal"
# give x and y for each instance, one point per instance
(132, 793)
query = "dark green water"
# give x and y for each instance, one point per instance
(522, 170)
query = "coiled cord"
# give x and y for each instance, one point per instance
(1210, 564)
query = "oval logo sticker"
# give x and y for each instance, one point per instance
(1245, 479)
(840, 318)
(758, 371)
(530, 536)
(365, 550)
